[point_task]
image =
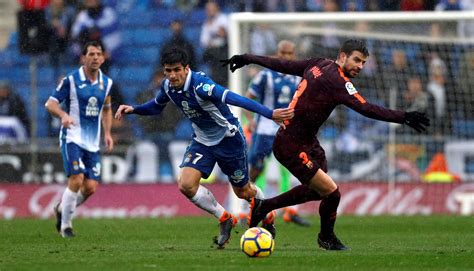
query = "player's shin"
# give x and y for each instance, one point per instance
(68, 207)
(205, 200)
(328, 212)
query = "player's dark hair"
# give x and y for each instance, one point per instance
(94, 43)
(354, 45)
(174, 55)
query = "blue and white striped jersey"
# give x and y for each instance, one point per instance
(273, 90)
(84, 102)
(203, 102)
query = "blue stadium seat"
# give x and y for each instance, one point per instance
(135, 56)
(151, 36)
(137, 19)
(196, 17)
(193, 34)
(134, 74)
(164, 17)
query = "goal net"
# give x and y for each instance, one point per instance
(420, 61)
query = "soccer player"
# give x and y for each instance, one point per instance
(85, 93)
(274, 90)
(218, 136)
(326, 84)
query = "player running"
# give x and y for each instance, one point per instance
(218, 136)
(326, 84)
(86, 96)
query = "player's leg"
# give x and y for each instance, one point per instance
(92, 164)
(290, 213)
(198, 163)
(74, 168)
(232, 159)
(291, 155)
(259, 150)
(327, 210)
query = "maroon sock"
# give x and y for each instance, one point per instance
(328, 212)
(297, 195)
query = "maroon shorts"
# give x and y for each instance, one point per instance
(302, 159)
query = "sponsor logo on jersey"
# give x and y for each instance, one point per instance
(188, 111)
(92, 108)
(350, 88)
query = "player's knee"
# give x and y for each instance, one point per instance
(75, 182)
(335, 195)
(89, 188)
(187, 189)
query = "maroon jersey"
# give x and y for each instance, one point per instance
(324, 86)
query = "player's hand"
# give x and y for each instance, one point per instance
(67, 121)
(282, 114)
(417, 120)
(123, 110)
(235, 62)
(109, 142)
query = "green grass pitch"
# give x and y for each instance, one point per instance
(377, 243)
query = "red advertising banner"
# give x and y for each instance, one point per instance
(157, 200)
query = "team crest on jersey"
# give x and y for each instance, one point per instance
(75, 165)
(188, 158)
(350, 88)
(208, 88)
(92, 108)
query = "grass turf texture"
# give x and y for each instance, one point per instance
(377, 243)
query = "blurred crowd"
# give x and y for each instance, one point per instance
(426, 85)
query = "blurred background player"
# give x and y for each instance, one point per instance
(274, 90)
(86, 96)
(218, 136)
(325, 85)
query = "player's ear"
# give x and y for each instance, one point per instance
(342, 57)
(187, 68)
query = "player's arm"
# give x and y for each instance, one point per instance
(152, 107)
(107, 124)
(278, 115)
(355, 101)
(53, 103)
(294, 67)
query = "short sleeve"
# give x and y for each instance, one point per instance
(208, 90)
(62, 90)
(161, 97)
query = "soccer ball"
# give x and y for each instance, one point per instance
(257, 242)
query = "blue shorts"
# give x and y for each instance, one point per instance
(76, 160)
(230, 154)
(261, 148)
